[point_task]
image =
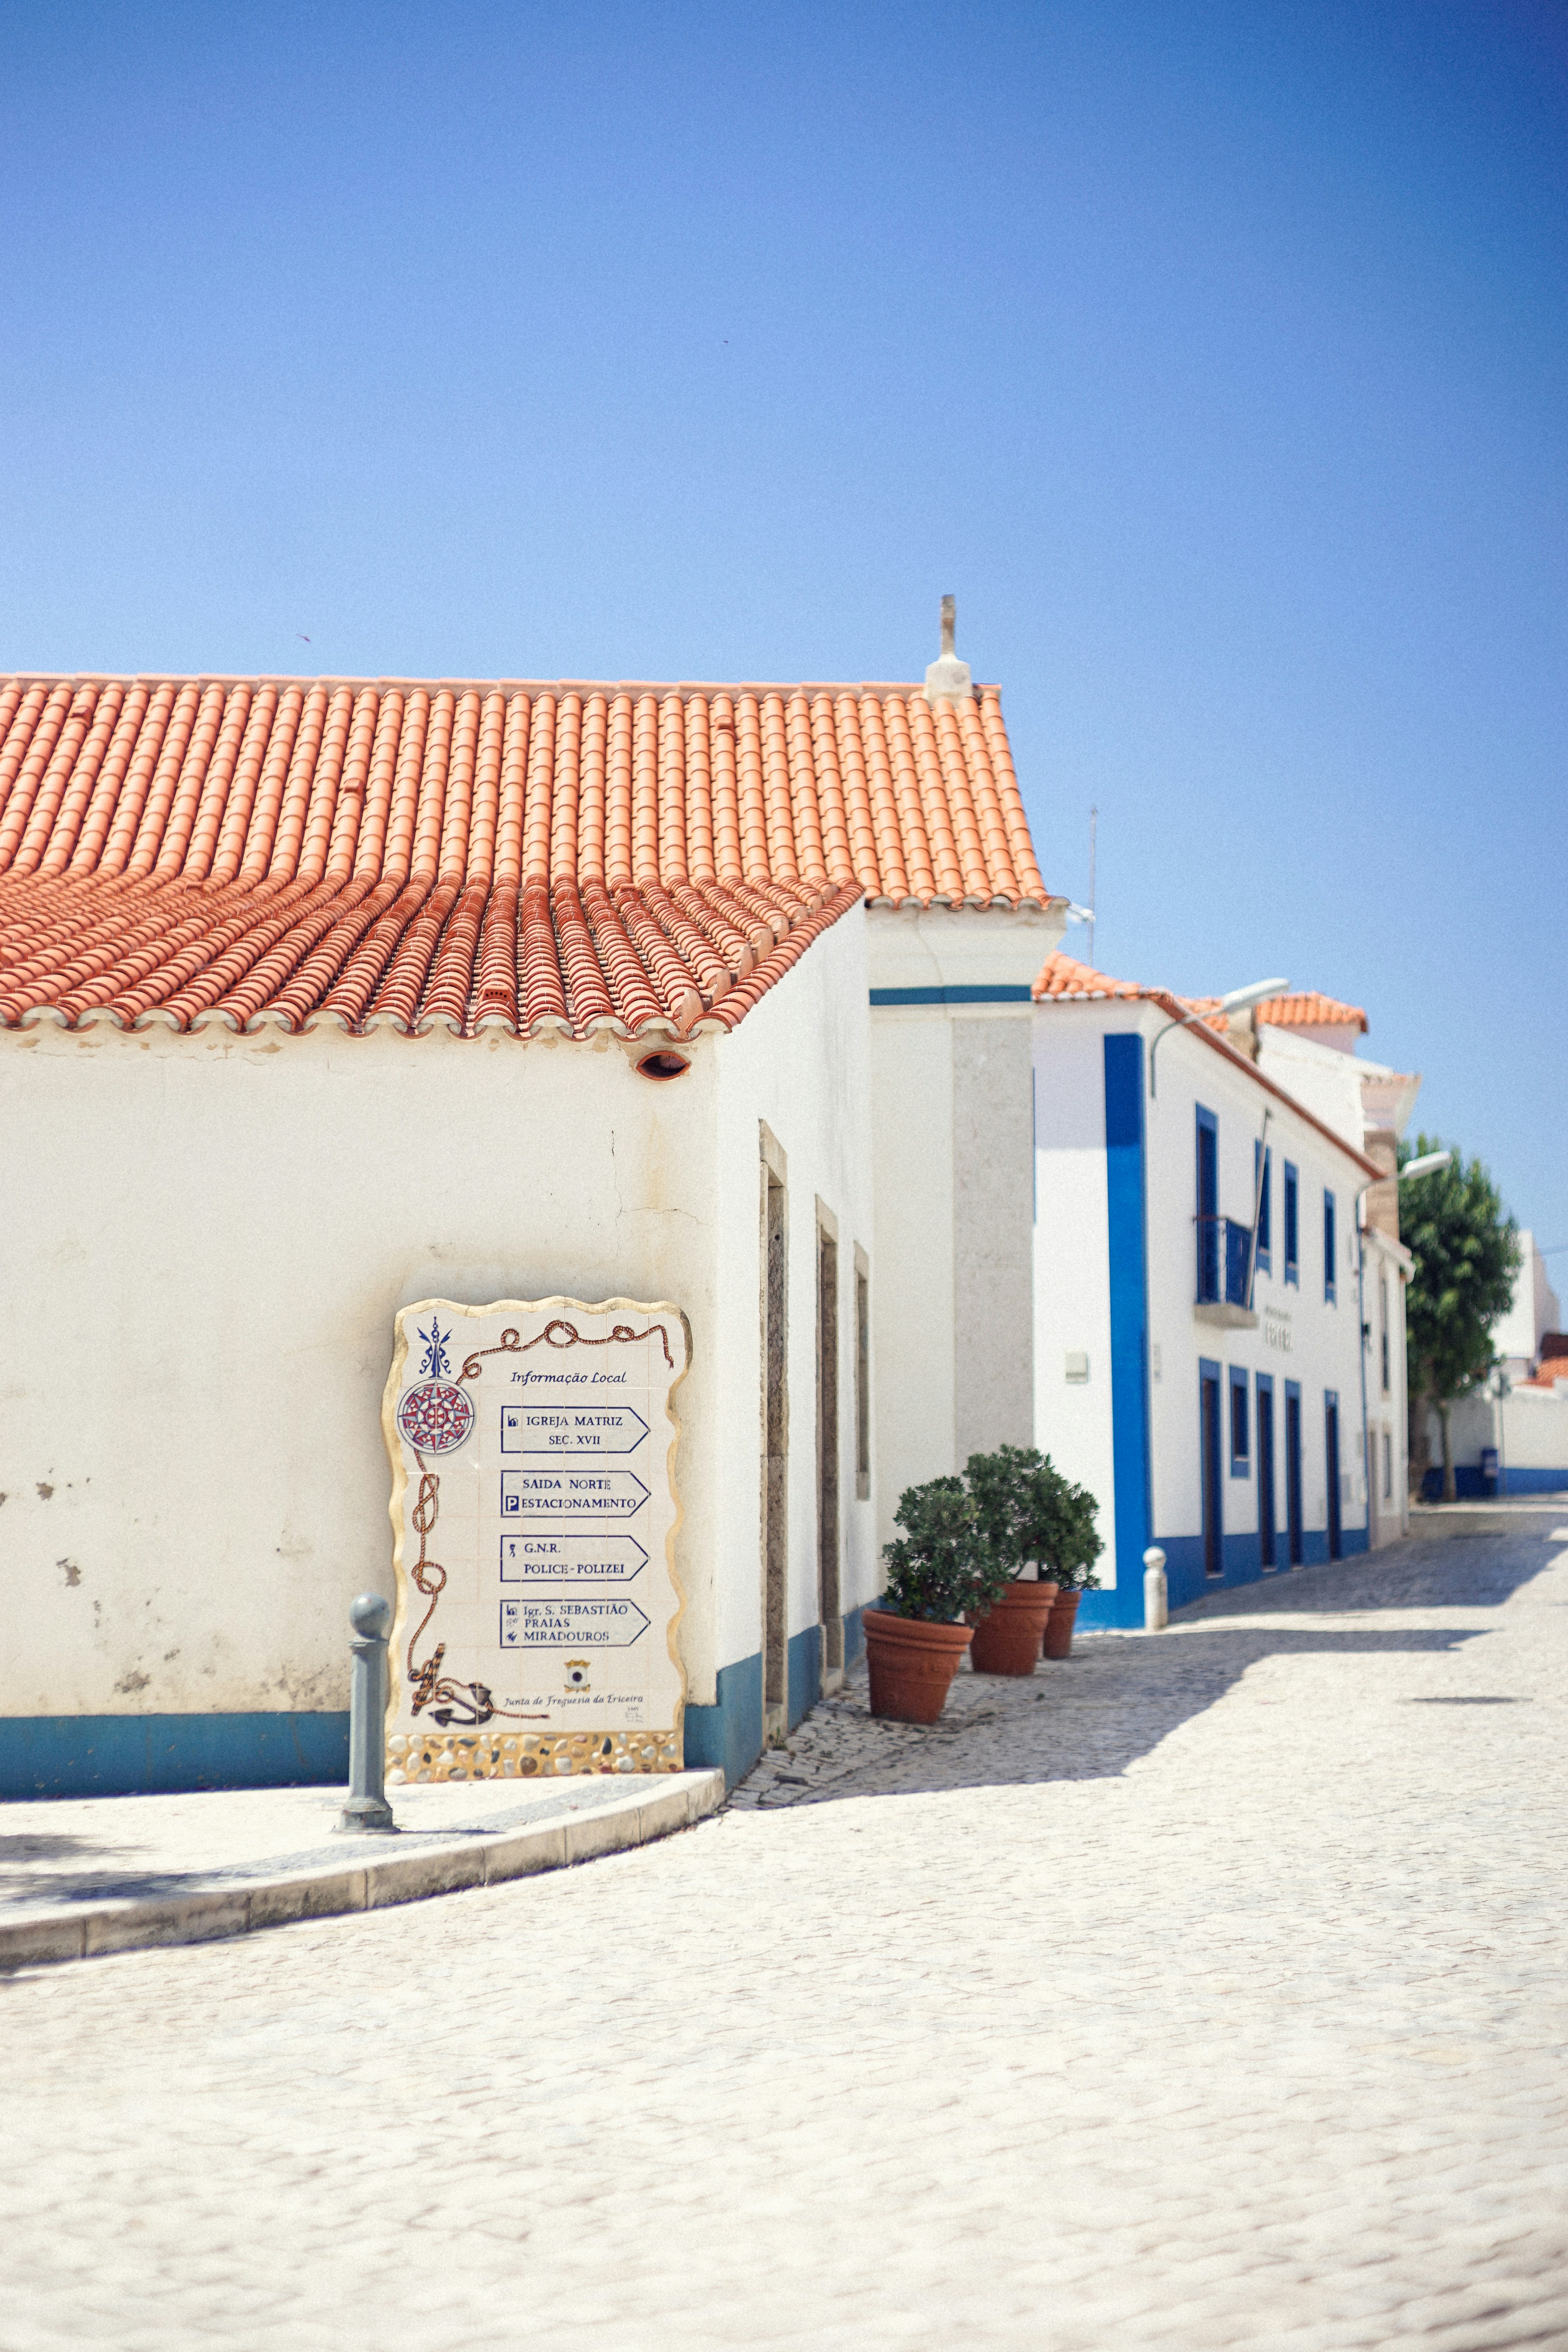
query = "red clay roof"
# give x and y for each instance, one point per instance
(1311, 1011)
(568, 856)
(1062, 980)
(1064, 976)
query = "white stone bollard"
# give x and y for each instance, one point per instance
(1156, 1594)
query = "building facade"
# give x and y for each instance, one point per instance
(320, 997)
(1198, 1286)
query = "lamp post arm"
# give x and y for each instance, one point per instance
(1185, 1023)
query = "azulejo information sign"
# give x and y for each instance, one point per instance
(534, 1511)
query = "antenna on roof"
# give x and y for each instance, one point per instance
(1093, 825)
(948, 678)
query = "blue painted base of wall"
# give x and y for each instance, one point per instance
(1120, 1605)
(805, 1673)
(729, 1735)
(1470, 1487)
(138, 1755)
(1186, 1582)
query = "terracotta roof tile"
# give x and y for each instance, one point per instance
(462, 855)
(1312, 1011)
(1064, 976)
(1063, 980)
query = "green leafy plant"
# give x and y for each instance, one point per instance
(1029, 1513)
(942, 1568)
(1465, 1249)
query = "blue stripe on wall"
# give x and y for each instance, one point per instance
(730, 1734)
(1470, 1485)
(1129, 1281)
(1006, 992)
(130, 1755)
(805, 1673)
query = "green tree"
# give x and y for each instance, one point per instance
(1467, 1252)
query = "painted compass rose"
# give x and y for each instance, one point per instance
(435, 1416)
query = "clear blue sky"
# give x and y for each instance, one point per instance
(1215, 356)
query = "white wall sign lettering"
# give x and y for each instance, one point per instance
(1277, 1329)
(534, 1510)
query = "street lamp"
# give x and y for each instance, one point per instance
(1427, 1165)
(1239, 1000)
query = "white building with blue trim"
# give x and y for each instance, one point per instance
(1199, 1354)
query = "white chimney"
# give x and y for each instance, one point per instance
(948, 679)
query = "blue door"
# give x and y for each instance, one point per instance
(1208, 1205)
(1266, 1507)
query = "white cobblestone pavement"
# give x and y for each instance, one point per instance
(1207, 1990)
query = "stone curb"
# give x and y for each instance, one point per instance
(208, 1913)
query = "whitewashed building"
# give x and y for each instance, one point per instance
(1533, 1313)
(1509, 1438)
(1308, 1045)
(320, 997)
(1199, 1298)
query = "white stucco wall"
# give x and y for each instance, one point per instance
(1326, 1078)
(1529, 1427)
(1532, 1311)
(800, 1061)
(951, 1146)
(1072, 1293)
(959, 947)
(912, 1285)
(205, 1240)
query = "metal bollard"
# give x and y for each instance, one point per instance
(1156, 1594)
(367, 1808)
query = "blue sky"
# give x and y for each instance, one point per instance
(1216, 358)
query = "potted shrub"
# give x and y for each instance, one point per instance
(1017, 1497)
(939, 1569)
(1075, 1547)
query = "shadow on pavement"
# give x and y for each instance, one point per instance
(1121, 1694)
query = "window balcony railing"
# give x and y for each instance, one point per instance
(1225, 1262)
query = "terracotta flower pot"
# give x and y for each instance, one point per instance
(911, 1664)
(1008, 1639)
(1059, 1624)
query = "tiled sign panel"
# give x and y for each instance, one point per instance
(534, 1506)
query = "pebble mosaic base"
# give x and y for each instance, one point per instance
(527, 1756)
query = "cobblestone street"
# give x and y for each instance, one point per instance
(1205, 1990)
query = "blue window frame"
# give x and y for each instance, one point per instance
(1265, 1251)
(1208, 1233)
(1328, 1247)
(1240, 1425)
(1292, 1227)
